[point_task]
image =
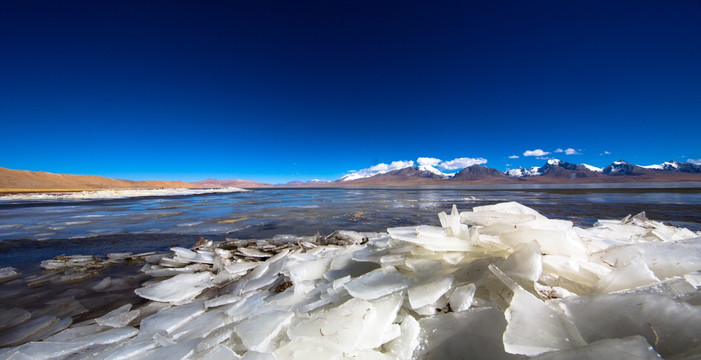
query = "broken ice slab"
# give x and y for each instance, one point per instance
(552, 242)
(452, 223)
(473, 334)
(428, 291)
(8, 273)
(221, 352)
(665, 260)
(381, 329)
(13, 316)
(304, 348)
(432, 238)
(119, 317)
(172, 318)
(405, 344)
(27, 331)
(634, 347)
(241, 267)
(377, 283)
(525, 262)
(258, 333)
(177, 289)
(127, 351)
(461, 298)
(200, 326)
(175, 351)
(532, 326)
(626, 276)
(671, 327)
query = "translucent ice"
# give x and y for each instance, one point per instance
(179, 288)
(377, 283)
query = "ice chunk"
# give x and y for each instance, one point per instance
(671, 327)
(533, 327)
(452, 223)
(127, 351)
(368, 355)
(13, 316)
(177, 289)
(8, 273)
(432, 238)
(305, 348)
(340, 328)
(221, 352)
(110, 336)
(377, 283)
(381, 328)
(665, 260)
(175, 351)
(473, 334)
(461, 298)
(27, 331)
(552, 242)
(257, 333)
(634, 347)
(428, 291)
(525, 262)
(241, 267)
(254, 355)
(118, 317)
(46, 350)
(628, 276)
(403, 347)
(423, 267)
(170, 319)
(200, 326)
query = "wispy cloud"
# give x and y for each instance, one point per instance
(694, 161)
(460, 163)
(536, 152)
(513, 157)
(559, 150)
(606, 152)
(571, 151)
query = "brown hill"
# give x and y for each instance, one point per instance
(27, 181)
(216, 183)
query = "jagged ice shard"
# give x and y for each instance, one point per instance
(498, 282)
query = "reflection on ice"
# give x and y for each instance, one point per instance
(499, 282)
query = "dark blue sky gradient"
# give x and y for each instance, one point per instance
(277, 91)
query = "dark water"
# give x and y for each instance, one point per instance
(33, 231)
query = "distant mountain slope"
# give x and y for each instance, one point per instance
(40, 180)
(479, 172)
(215, 183)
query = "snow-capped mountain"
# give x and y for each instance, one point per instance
(675, 166)
(593, 168)
(523, 172)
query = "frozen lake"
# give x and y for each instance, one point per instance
(31, 231)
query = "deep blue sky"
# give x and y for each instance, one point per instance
(292, 90)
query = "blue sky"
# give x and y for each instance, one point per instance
(279, 91)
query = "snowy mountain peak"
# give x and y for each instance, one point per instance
(593, 168)
(521, 172)
(554, 162)
(433, 170)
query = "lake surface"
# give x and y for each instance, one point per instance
(31, 231)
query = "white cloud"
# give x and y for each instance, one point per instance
(461, 163)
(377, 169)
(513, 157)
(427, 161)
(694, 161)
(606, 152)
(559, 150)
(536, 152)
(571, 151)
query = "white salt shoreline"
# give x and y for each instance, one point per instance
(501, 281)
(114, 194)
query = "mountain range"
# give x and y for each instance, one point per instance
(553, 171)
